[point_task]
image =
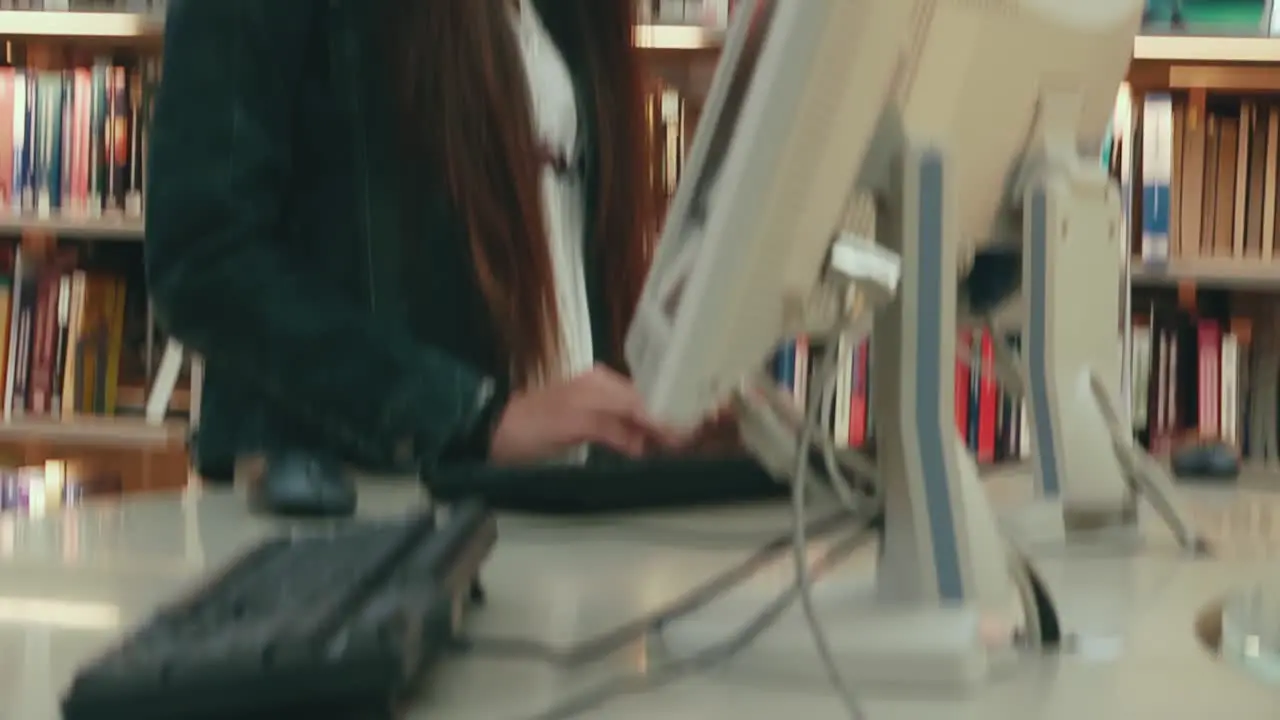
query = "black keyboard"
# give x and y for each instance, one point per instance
(325, 626)
(607, 484)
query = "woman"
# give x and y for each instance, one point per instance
(401, 232)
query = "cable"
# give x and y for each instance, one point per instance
(802, 587)
(611, 641)
(675, 535)
(821, 401)
(709, 657)
(817, 411)
(821, 405)
(825, 400)
(1027, 594)
(1010, 376)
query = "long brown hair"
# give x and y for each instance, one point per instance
(466, 94)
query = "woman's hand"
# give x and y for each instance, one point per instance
(717, 436)
(598, 407)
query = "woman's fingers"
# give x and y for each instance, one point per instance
(612, 394)
(620, 436)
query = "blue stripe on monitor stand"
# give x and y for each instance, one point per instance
(1038, 361)
(936, 437)
(785, 370)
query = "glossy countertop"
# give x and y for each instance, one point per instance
(72, 580)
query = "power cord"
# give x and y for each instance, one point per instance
(668, 533)
(710, 657)
(610, 642)
(1008, 374)
(821, 402)
(719, 653)
(821, 405)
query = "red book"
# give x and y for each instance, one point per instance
(962, 384)
(82, 159)
(858, 397)
(1209, 350)
(6, 138)
(987, 400)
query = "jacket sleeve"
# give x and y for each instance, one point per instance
(220, 164)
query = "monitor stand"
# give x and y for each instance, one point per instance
(1089, 472)
(939, 608)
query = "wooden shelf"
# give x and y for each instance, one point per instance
(1153, 48)
(1206, 49)
(1227, 64)
(111, 227)
(140, 456)
(81, 25)
(135, 26)
(1212, 273)
(89, 431)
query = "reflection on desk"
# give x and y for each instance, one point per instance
(68, 593)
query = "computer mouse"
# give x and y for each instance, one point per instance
(298, 483)
(1210, 459)
(996, 276)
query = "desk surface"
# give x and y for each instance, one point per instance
(71, 582)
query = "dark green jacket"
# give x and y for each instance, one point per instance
(277, 215)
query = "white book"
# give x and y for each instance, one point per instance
(1171, 408)
(1229, 392)
(1157, 174)
(1024, 431)
(800, 380)
(1140, 374)
(1269, 185)
(844, 363)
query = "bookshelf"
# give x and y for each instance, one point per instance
(683, 56)
(86, 244)
(1225, 67)
(89, 26)
(1198, 137)
(119, 229)
(149, 450)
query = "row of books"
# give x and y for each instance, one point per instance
(1211, 372)
(63, 336)
(76, 141)
(1188, 374)
(991, 421)
(712, 13)
(670, 119)
(1210, 180)
(85, 5)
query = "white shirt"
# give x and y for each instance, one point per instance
(554, 106)
(555, 119)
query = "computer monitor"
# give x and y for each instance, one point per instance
(964, 119)
(799, 93)
(764, 185)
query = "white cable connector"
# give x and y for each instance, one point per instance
(872, 268)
